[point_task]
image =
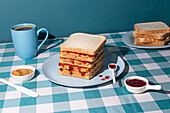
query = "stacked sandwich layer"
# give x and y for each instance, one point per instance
(151, 34)
(81, 55)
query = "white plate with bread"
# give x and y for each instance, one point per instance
(50, 71)
(151, 35)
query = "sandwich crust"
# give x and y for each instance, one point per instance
(151, 28)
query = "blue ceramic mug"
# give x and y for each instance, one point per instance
(25, 39)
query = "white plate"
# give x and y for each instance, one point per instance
(50, 71)
(128, 39)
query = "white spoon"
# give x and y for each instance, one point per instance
(20, 88)
(112, 67)
(142, 88)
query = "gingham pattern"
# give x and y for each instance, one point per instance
(152, 64)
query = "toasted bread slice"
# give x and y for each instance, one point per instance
(83, 43)
(155, 43)
(151, 28)
(160, 36)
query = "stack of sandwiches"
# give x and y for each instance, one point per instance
(151, 34)
(81, 55)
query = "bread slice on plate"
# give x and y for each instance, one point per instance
(151, 28)
(77, 74)
(144, 40)
(160, 36)
(81, 56)
(147, 42)
(83, 43)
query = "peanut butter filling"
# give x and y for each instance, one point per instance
(22, 72)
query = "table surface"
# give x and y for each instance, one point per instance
(108, 97)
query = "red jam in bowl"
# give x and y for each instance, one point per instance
(135, 82)
(112, 66)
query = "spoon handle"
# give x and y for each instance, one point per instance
(113, 76)
(153, 87)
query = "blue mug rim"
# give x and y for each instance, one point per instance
(22, 24)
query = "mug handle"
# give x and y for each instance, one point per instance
(42, 29)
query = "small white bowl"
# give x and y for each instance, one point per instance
(140, 89)
(25, 77)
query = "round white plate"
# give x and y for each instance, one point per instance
(128, 39)
(50, 71)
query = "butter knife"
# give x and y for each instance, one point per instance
(20, 88)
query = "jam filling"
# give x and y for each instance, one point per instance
(135, 82)
(80, 54)
(61, 69)
(112, 66)
(72, 61)
(71, 67)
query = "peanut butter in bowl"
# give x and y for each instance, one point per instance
(22, 72)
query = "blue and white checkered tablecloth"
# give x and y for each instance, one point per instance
(105, 98)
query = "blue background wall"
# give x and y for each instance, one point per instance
(63, 17)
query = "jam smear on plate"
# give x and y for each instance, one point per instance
(100, 75)
(107, 77)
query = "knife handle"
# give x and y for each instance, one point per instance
(8, 83)
(20, 88)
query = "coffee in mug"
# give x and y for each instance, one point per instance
(23, 28)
